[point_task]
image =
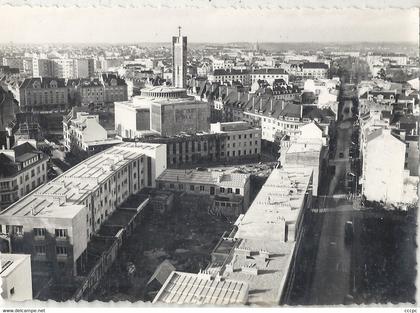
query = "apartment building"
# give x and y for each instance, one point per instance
(22, 169)
(43, 94)
(230, 75)
(55, 222)
(115, 88)
(269, 75)
(243, 141)
(230, 191)
(82, 131)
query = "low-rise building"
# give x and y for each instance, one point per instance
(230, 191)
(22, 169)
(83, 132)
(16, 277)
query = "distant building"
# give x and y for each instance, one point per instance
(172, 111)
(132, 118)
(230, 75)
(270, 75)
(115, 88)
(91, 92)
(22, 169)
(192, 149)
(179, 61)
(16, 277)
(242, 139)
(83, 132)
(230, 191)
(43, 94)
(314, 70)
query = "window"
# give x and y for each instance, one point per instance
(201, 188)
(180, 186)
(171, 186)
(229, 190)
(61, 250)
(39, 232)
(17, 230)
(61, 233)
(40, 250)
(222, 190)
(12, 291)
(192, 187)
(237, 191)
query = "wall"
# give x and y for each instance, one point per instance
(20, 279)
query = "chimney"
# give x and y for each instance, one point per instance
(239, 96)
(301, 111)
(282, 105)
(271, 106)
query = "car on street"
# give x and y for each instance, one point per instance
(348, 231)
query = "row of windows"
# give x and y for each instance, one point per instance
(240, 152)
(41, 250)
(239, 144)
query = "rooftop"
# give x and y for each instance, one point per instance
(9, 262)
(201, 288)
(263, 255)
(204, 177)
(62, 197)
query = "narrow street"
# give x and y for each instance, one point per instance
(327, 272)
(377, 266)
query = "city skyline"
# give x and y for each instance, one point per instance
(75, 25)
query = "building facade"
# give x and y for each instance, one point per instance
(383, 167)
(55, 222)
(43, 94)
(243, 141)
(22, 169)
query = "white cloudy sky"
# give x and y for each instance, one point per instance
(114, 25)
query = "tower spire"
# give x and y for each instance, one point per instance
(179, 31)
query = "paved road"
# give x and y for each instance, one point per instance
(332, 273)
(331, 278)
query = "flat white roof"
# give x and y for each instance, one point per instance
(201, 288)
(61, 197)
(9, 262)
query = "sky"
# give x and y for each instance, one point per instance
(132, 25)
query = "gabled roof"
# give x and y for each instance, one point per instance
(314, 65)
(269, 71)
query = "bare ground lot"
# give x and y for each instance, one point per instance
(184, 236)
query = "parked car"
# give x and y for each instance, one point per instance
(348, 231)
